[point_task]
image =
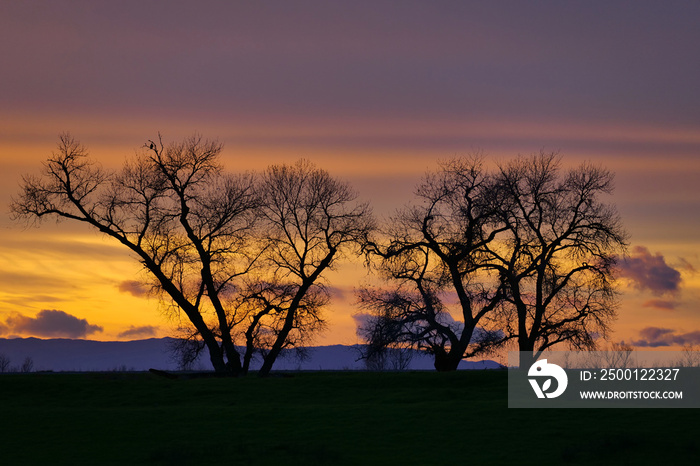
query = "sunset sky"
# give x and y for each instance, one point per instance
(376, 92)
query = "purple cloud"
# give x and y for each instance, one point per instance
(362, 319)
(650, 272)
(337, 293)
(51, 323)
(138, 332)
(133, 287)
(662, 304)
(656, 336)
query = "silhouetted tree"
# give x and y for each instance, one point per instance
(690, 356)
(187, 222)
(4, 363)
(556, 258)
(392, 356)
(27, 365)
(524, 252)
(241, 257)
(311, 219)
(433, 261)
(186, 350)
(266, 305)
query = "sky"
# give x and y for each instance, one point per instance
(376, 92)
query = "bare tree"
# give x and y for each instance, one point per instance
(27, 365)
(4, 363)
(311, 219)
(617, 355)
(242, 258)
(389, 356)
(434, 255)
(186, 350)
(557, 257)
(187, 222)
(265, 306)
(524, 252)
(690, 356)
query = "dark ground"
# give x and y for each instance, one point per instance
(326, 418)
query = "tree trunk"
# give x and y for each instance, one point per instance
(277, 346)
(271, 356)
(447, 362)
(527, 352)
(291, 314)
(216, 356)
(233, 359)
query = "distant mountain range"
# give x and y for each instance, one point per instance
(141, 355)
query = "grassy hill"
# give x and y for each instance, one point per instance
(325, 418)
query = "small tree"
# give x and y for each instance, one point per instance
(690, 356)
(186, 350)
(27, 365)
(4, 363)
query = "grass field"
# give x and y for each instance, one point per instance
(331, 418)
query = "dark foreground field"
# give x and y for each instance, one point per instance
(319, 418)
